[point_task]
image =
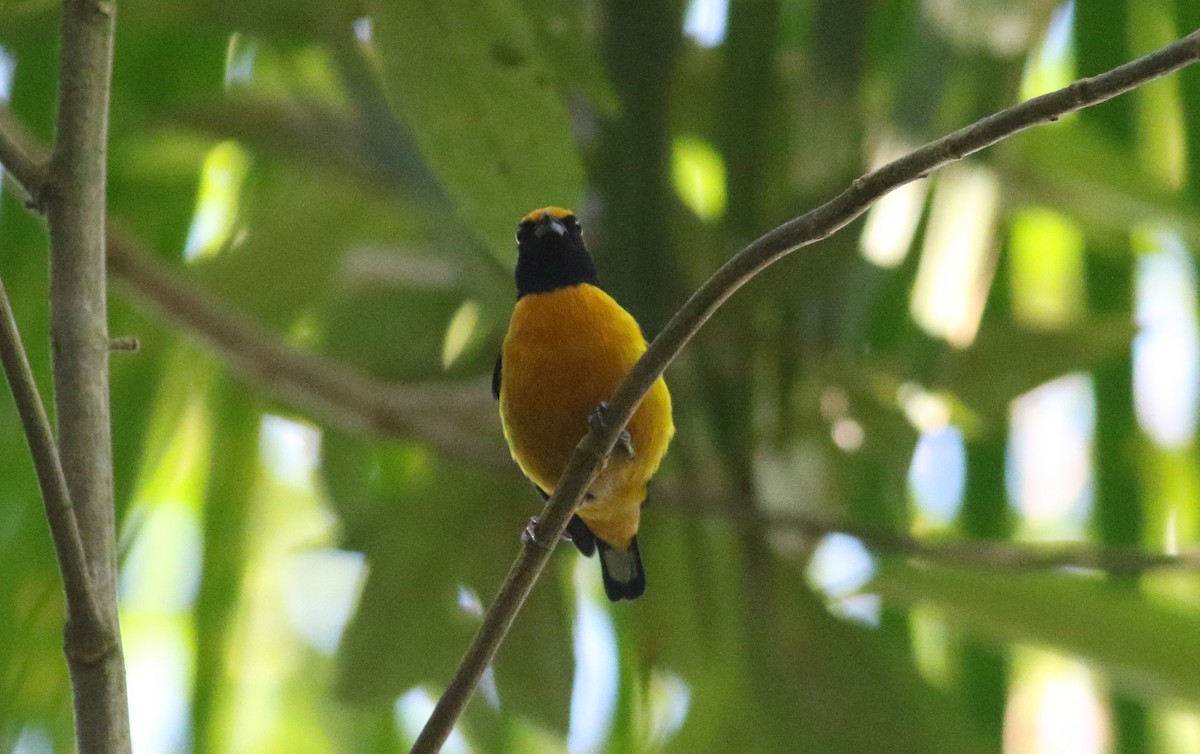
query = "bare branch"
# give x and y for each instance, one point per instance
(82, 609)
(455, 419)
(458, 420)
(21, 155)
(74, 196)
(594, 449)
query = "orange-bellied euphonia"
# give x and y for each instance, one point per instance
(569, 346)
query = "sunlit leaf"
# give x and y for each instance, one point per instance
(438, 538)
(470, 84)
(233, 468)
(565, 35)
(819, 684)
(318, 136)
(1075, 169)
(1146, 647)
(1007, 360)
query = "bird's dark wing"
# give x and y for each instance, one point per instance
(581, 536)
(496, 378)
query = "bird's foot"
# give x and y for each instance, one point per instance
(529, 536)
(598, 420)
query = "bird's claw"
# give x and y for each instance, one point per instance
(625, 443)
(599, 419)
(529, 536)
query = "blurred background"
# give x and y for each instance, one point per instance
(312, 217)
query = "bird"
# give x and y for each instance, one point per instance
(569, 345)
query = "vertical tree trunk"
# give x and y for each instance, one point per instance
(75, 208)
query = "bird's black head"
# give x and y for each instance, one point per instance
(551, 253)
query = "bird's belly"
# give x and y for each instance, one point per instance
(546, 405)
(566, 352)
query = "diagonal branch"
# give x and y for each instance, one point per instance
(813, 226)
(82, 609)
(455, 419)
(21, 155)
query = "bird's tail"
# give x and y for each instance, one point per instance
(624, 577)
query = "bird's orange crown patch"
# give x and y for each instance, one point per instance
(537, 214)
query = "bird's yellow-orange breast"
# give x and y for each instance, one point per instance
(566, 351)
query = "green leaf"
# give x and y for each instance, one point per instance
(432, 532)
(393, 335)
(131, 380)
(468, 81)
(830, 671)
(316, 136)
(1084, 173)
(233, 470)
(1188, 17)
(290, 22)
(297, 240)
(35, 689)
(564, 34)
(1149, 649)
(1007, 360)
(766, 662)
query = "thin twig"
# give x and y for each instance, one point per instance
(74, 196)
(455, 419)
(805, 230)
(82, 609)
(21, 155)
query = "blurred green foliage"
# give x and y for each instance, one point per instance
(349, 175)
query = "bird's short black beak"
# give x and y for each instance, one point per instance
(549, 225)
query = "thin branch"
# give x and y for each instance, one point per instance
(74, 196)
(592, 452)
(455, 419)
(21, 155)
(82, 609)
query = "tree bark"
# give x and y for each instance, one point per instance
(74, 200)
